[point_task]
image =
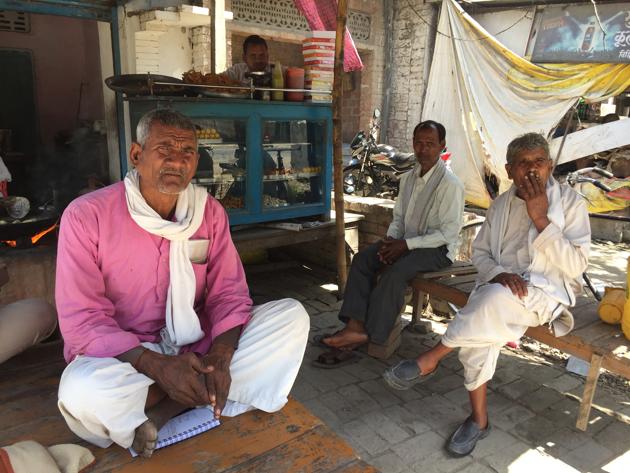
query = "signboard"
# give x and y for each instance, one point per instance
(573, 34)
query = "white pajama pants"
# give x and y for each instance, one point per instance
(103, 399)
(492, 317)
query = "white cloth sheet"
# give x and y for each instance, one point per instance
(486, 95)
(182, 322)
(103, 399)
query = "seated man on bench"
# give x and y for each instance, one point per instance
(153, 304)
(530, 254)
(423, 236)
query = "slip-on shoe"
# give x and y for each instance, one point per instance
(464, 439)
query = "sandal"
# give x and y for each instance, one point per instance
(335, 358)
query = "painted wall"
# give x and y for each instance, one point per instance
(65, 55)
(175, 51)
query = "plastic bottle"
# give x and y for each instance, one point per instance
(277, 82)
(295, 80)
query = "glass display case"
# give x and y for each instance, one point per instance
(263, 161)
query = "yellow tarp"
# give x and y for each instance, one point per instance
(486, 95)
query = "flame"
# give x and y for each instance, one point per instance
(34, 239)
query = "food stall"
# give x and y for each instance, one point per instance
(263, 160)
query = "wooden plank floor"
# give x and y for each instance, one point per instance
(292, 440)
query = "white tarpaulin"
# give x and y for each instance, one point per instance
(485, 95)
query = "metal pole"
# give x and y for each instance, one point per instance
(340, 236)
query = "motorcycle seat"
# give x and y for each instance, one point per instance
(402, 158)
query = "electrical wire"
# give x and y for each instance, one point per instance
(437, 31)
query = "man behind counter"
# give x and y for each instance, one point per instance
(255, 59)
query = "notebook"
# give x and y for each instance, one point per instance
(184, 426)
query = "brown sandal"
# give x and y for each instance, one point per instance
(335, 358)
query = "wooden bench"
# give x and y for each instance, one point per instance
(603, 345)
(290, 440)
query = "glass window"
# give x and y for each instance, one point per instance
(222, 165)
(293, 162)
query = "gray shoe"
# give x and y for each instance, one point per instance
(405, 374)
(464, 439)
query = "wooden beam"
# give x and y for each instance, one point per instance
(337, 99)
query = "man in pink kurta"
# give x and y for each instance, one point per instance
(112, 278)
(154, 307)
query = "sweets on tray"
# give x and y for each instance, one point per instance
(199, 78)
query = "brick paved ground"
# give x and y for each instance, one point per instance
(531, 400)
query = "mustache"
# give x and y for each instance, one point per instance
(171, 172)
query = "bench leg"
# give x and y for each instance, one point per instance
(589, 391)
(419, 303)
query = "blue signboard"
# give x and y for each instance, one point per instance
(573, 33)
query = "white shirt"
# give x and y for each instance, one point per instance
(445, 217)
(515, 246)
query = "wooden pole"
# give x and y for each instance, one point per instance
(337, 97)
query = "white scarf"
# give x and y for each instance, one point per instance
(182, 323)
(419, 211)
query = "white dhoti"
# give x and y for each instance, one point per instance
(103, 399)
(492, 317)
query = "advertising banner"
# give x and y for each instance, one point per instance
(573, 34)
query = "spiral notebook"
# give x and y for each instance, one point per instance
(184, 426)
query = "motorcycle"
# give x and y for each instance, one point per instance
(375, 169)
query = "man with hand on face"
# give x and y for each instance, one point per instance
(530, 253)
(153, 303)
(422, 236)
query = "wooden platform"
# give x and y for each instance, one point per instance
(601, 344)
(260, 237)
(292, 440)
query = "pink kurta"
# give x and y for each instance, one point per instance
(113, 277)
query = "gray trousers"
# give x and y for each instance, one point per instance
(377, 304)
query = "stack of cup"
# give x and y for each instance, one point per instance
(319, 62)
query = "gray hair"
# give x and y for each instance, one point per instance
(526, 142)
(164, 116)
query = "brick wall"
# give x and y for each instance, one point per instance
(351, 107)
(412, 43)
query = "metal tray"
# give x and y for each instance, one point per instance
(223, 95)
(138, 84)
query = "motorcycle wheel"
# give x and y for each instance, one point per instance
(361, 184)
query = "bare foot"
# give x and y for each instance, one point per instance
(425, 364)
(346, 339)
(145, 439)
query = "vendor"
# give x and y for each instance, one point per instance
(255, 59)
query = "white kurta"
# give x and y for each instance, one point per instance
(550, 261)
(103, 399)
(444, 219)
